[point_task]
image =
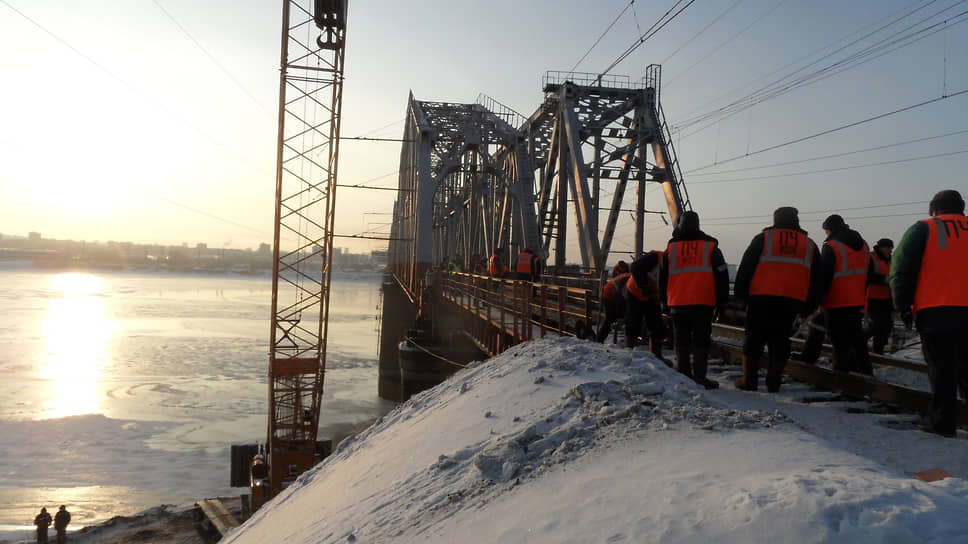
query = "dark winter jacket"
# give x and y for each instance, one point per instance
(42, 521)
(905, 267)
(751, 259)
(640, 269)
(716, 260)
(62, 519)
(850, 238)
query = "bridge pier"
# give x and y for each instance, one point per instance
(421, 342)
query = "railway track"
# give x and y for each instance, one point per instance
(729, 339)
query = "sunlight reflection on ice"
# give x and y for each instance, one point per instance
(76, 330)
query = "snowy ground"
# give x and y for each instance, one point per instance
(562, 440)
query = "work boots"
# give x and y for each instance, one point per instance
(774, 375)
(700, 359)
(749, 380)
(682, 361)
(655, 346)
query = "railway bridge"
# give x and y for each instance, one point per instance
(478, 177)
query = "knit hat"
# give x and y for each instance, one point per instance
(834, 223)
(884, 242)
(786, 216)
(689, 221)
(947, 201)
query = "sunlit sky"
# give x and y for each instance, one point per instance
(116, 125)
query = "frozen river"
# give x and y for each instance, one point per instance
(125, 390)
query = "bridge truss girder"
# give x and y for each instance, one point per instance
(465, 188)
(589, 141)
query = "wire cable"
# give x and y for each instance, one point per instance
(617, 17)
(652, 31)
(833, 130)
(823, 157)
(211, 57)
(704, 29)
(724, 43)
(827, 170)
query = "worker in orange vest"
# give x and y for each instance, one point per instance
(641, 295)
(527, 266)
(778, 278)
(495, 265)
(879, 308)
(694, 284)
(611, 299)
(928, 274)
(846, 272)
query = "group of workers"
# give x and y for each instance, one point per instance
(61, 520)
(783, 274)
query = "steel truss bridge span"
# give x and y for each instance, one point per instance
(476, 177)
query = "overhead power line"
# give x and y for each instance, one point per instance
(212, 58)
(826, 210)
(720, 47)
(902, 38)
(828, 170)
(857, 218)
(703, 30)
(126, 84)
(832, 156)
(695, 113)
(652, 31)
(833, 130)
(617, 17)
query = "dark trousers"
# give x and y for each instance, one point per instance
(42, 535)
(693, 327)
(768, 325)
(635, 311)
(881, 323)
(845, 327)
(613, 311)
(947, 357)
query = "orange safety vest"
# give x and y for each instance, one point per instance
(849, 286)
(524, 263)
(636, 291)
(879, 291)
(691, 280)
(496, 265)
(942, 280)
(784, 267)
(611, 287)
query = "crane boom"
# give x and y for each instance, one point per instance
(310, 100)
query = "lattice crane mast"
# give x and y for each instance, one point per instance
(310, 99)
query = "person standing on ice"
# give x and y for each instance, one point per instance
(778, 278)
(42, 521)
(879, 309)
(693, 283)
(928, 275)
(61, 520)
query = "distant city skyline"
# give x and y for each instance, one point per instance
(157, 118)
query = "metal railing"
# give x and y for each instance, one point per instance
(511, 311)
(505, 113)
(556, 77)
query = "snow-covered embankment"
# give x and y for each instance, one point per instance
(561, 440)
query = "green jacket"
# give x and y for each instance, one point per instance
(906, 265)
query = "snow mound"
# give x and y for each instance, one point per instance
(565, 440)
